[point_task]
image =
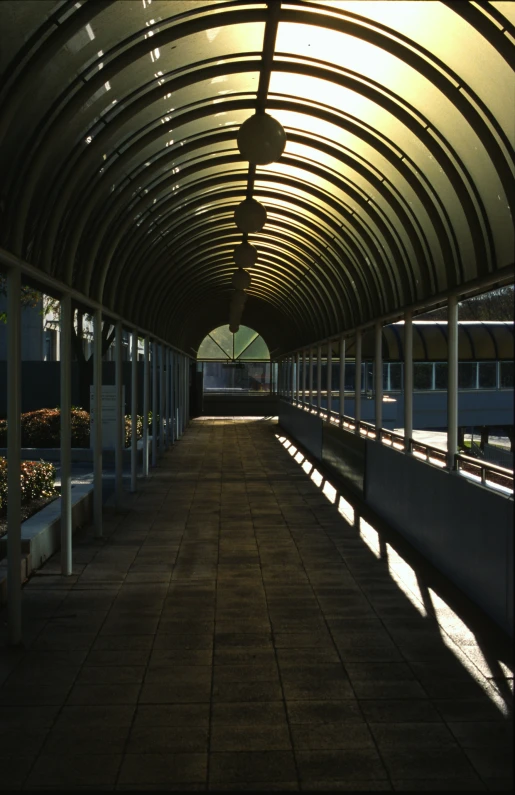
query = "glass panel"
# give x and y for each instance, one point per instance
(257, 349)
(210, 350)
(350, 370)
(422, 375)
(385, 377)
(467, 375)
(368, 383)
(507, 375)
(248, 377)
(225, 339)
(242, 339)
(441, 375)
(396, 369)
(487, 375)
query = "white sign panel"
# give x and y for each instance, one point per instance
(108, 416)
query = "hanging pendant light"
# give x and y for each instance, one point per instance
(261, 139)
(245, 255)
(250, 216)
(241, 279)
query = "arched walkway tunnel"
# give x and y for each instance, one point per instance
(260, 202)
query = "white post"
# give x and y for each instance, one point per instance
(341, 396)
(161, 400)
(310, 378)
(97, 428)
(329, 379)
(378, 378)
(145, 405)
(304, 377)
(14, 456)
(452, 383)
(297, 378)
(187, 387)
(408, 380)
(319, 378)
(66, 434)
(172, 397)
(154, 404)
(134, 411)
(357, 382)
(120, 416)
(167, 397)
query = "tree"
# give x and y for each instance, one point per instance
(30, 297)
(493, 305)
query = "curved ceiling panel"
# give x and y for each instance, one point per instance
(120, 171)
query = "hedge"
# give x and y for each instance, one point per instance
(42, 428)
(37, 480)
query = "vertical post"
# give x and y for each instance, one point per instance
(341, 393)
(378, 378)
(310, 383)
(167, 398)
(297, 378)
(134, 411)
(408, 380)
(120, 416)
(154, 404)
(97, 428)
(187, 370)
(329, 379)
(66, 435)
(357, 382)
(161, 400)
(145, 405)
(14, 456)
(172, 396)
(452, 383)
(319, 378)
(291, 379)
(304, 377)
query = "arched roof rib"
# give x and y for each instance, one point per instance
(395, 185)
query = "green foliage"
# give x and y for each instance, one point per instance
(42, 428)
(37, 480)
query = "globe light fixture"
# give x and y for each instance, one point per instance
(250, 216)
(245, 255)
(241, 279)
(261, 139)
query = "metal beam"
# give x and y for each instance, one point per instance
(14, 625)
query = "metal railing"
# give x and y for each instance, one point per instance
(490, 475)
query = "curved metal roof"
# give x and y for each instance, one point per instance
(120, 173)
(477, 341)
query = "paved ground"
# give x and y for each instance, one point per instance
(242, 626)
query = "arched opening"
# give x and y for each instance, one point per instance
(235, 371)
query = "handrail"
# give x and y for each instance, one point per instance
(413, 446)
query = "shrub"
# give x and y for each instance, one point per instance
(42, 428)
(37, 480)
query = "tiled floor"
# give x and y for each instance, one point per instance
(233, 630)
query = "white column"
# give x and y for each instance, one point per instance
(134, 411)
(452, 383)
(304, 360)
(120, 416)
(357, 382)
(297, 378)
(154, 404)
(319, 378)
(161, 400)
(172, 397)
(329, 379)
(167, 398)
(145, 405)
(97, 428)
(66, 434)
(408, 380)
(378, 378)
(14, 456)
(310, 382)
(341, 395)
